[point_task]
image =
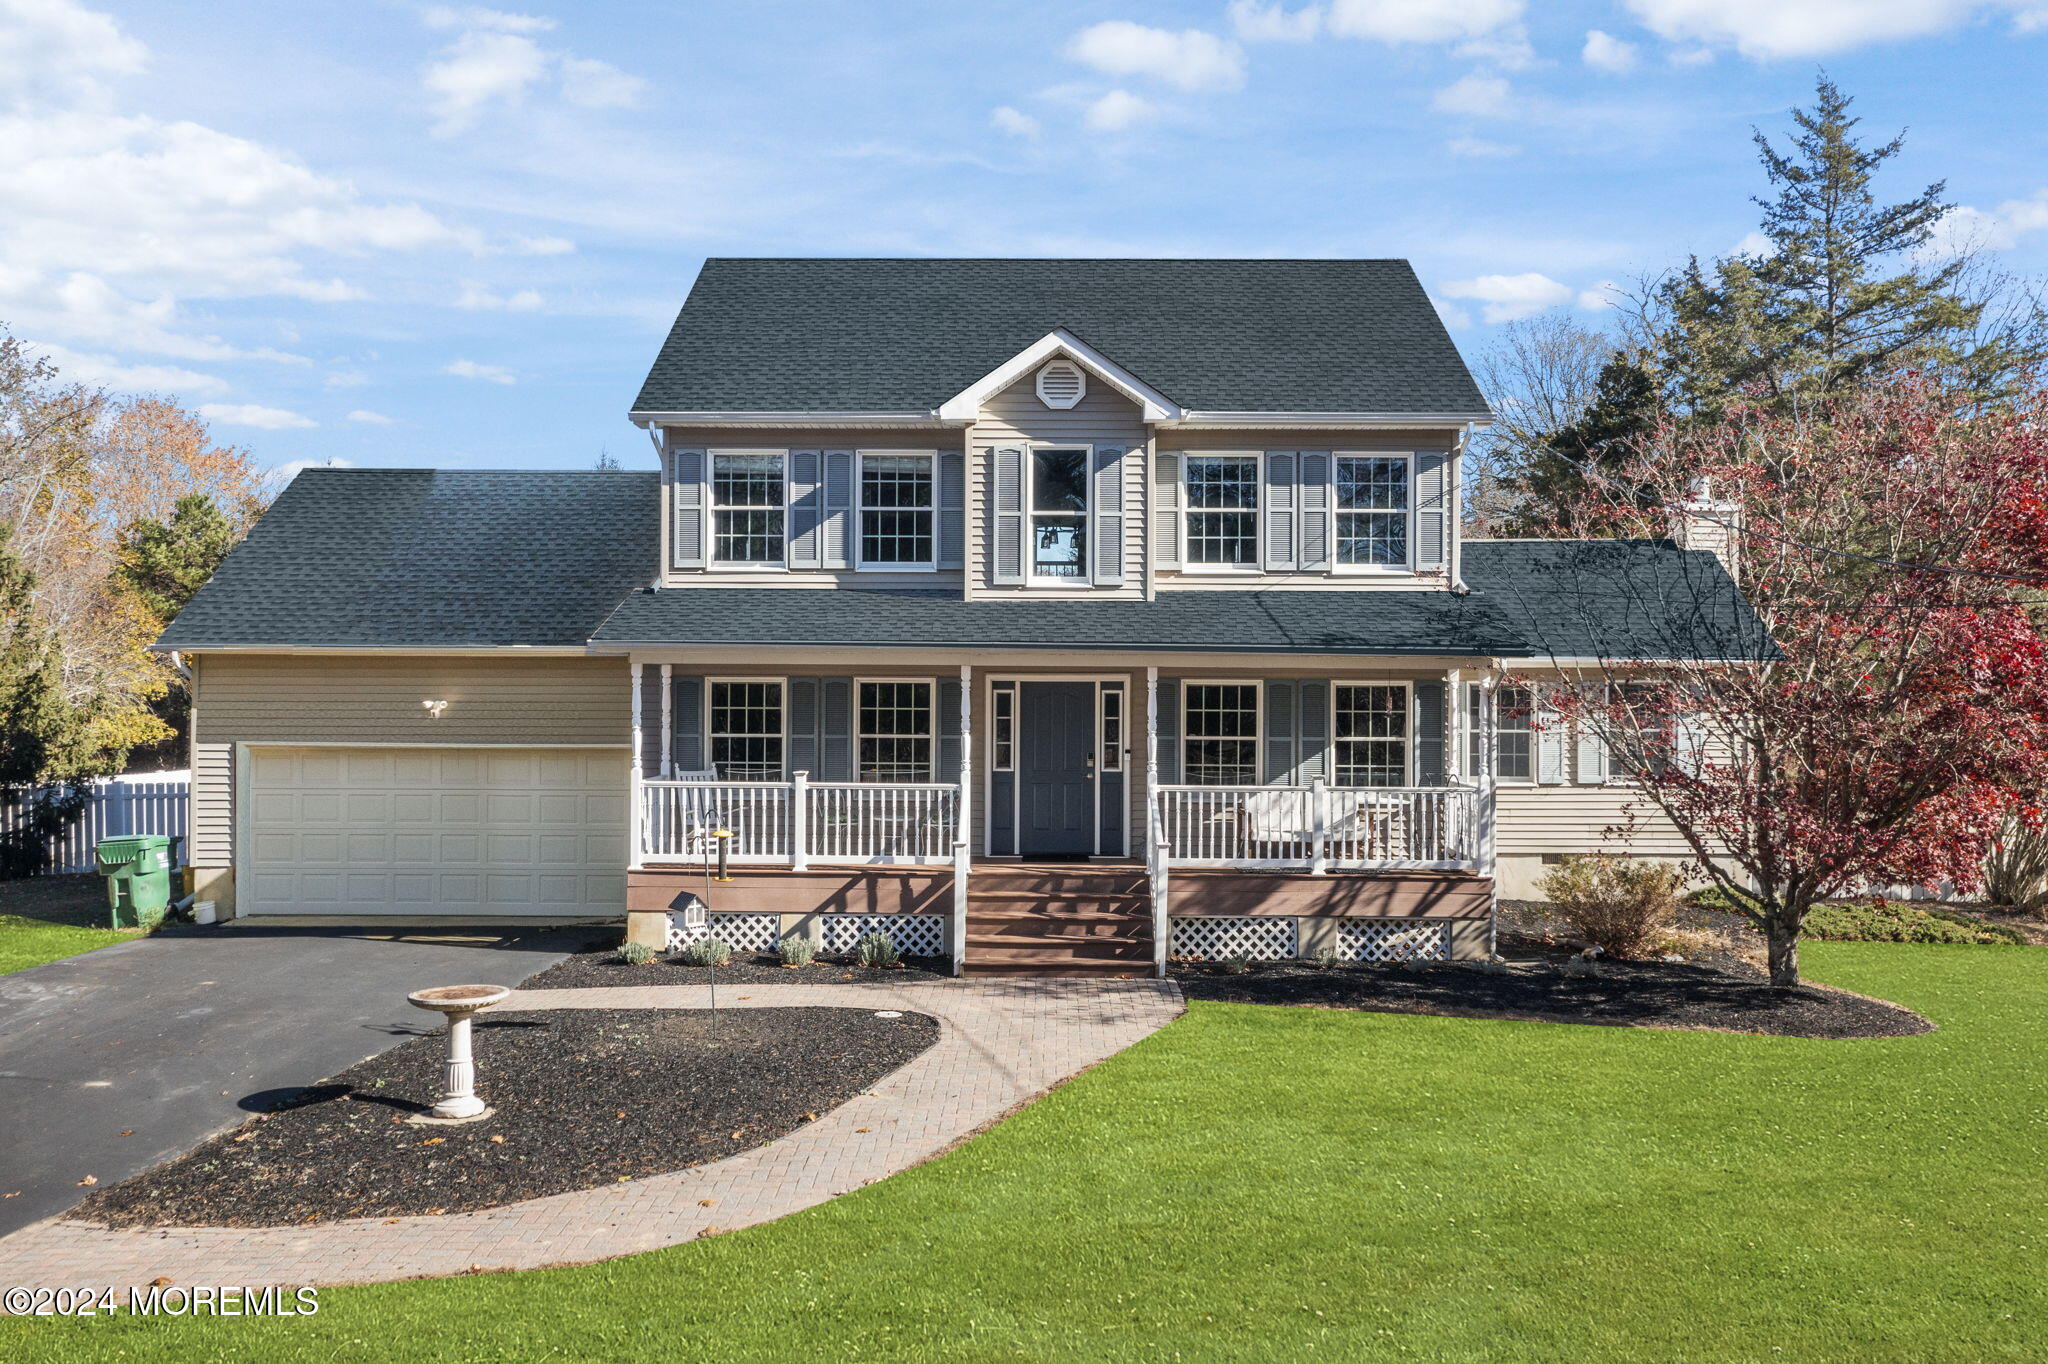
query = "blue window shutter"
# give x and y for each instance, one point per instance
(952, 509)
(1429, 734)
(650, 721)
(1281, 518)
(1432, 509)
(803, 725)
(690, 495)
(949, 729)
(1166, 500)
(1313, 723)
(1106, 555)
(686, 722)
(1006, 518)
(1315, 470)
(835, 531)
(1280, 743)
(835, 729)
(806, 508)
(1169, 731)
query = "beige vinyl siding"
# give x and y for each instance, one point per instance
(1016, 416)
(212, 822)
(1207, 440)
(799, 438)
(1581, 819)
(376, 699)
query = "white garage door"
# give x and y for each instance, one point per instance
(477, 831)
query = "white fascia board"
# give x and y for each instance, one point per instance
(916, 419)
(1372, 420)
(521, 650)
(967, 403)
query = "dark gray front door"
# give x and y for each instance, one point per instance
(1056, 769)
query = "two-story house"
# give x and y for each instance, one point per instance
(1051, 615)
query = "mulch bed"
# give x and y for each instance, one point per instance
(583, 1097)
(601, 966)
(1620, 994)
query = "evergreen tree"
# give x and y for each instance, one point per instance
(1844, 290)
(165, 564)
(1625, 405)
(44, 739)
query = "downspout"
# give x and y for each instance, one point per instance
(1455, 532)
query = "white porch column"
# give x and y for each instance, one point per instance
(1489, 765)
(1155, 855)
(963, 825)
(634, 802)
(668, 705)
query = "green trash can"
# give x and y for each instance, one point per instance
(137, 869)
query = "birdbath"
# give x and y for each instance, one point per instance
(460, 1003)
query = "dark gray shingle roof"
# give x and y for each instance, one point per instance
(1382, 622)
(1616, 599)
(431, 557)
(819, 335)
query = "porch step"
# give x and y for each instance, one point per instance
(1050, 901)
(1073, 882)
(1070, 969)
(1059, 919)
(1040, 929)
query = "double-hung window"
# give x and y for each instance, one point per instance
(1222, 510)
(746, 730)
(1059, 514)
(1220, 733)
(1642, 730)
(747, 507)
(897, 508)
(1514, 740)
(1372, 507)
(897, 731)
(1371, 734)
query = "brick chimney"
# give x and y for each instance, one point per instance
(1703, 521)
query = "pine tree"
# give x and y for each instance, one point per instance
(44, 739)
(1844, 289)
(165, 564)
(1626, 403)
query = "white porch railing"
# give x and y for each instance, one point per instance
(798, 822)
(1321, 827)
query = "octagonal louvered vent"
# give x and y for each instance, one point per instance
(1061, 384)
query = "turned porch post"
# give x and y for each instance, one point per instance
(1155, 855)
(963, 821)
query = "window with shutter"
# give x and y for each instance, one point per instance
(1222, 500)
(1373, 504)
(1061, 384)
(897, 509)
(1370, 737)
(747, 507)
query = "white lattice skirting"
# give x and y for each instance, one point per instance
(740, 932)
(915, 935)
(1370, 941)
(1264, 939)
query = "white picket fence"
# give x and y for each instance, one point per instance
(140, 803)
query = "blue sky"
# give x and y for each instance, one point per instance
(400, 234)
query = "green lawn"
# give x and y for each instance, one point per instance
(1265, 1183)
(43, 918)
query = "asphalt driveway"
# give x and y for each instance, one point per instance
(171, 1038)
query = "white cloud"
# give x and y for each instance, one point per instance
(1966, 228)
(346, 378)
(592, 84)
(1421, 21)
(58, 49)
(1755, 244)
(1503, 298)
(1606, 52)
(543, 246)
(1476, 95)
(1119, 111)
(291, 469)
(1602, 296)
(249, 414)
(476, 297)
(1256, 22)
(1478, 148)
(104, 371)
(369, 418)
(1454, 317)
(1189, 60)
(1810, 28)
(495, 62)
(1015, 122)
(470, 369)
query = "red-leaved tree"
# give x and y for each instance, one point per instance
(1886, 706)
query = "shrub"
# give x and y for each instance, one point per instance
(796, 950)
(1325, 959)
(636, 954)
(876, 949)
(1883, 921)
(707, 952)
(1238, 965)
(1621, 905)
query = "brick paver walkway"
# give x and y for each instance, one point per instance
(1001, 1044)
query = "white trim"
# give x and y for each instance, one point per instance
(1258, 686)
(966, 405)
(704, 721)
(1257, 567)
(853, 728)
(428, 650)
(859, 508)
(1405, 569)
(722, 417)
(1409, 778)
(1192, 418)
(1491, 692)
(408, 743)
(1014, 772)
(712, 563)
(1086, 580)
(1062, 363)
